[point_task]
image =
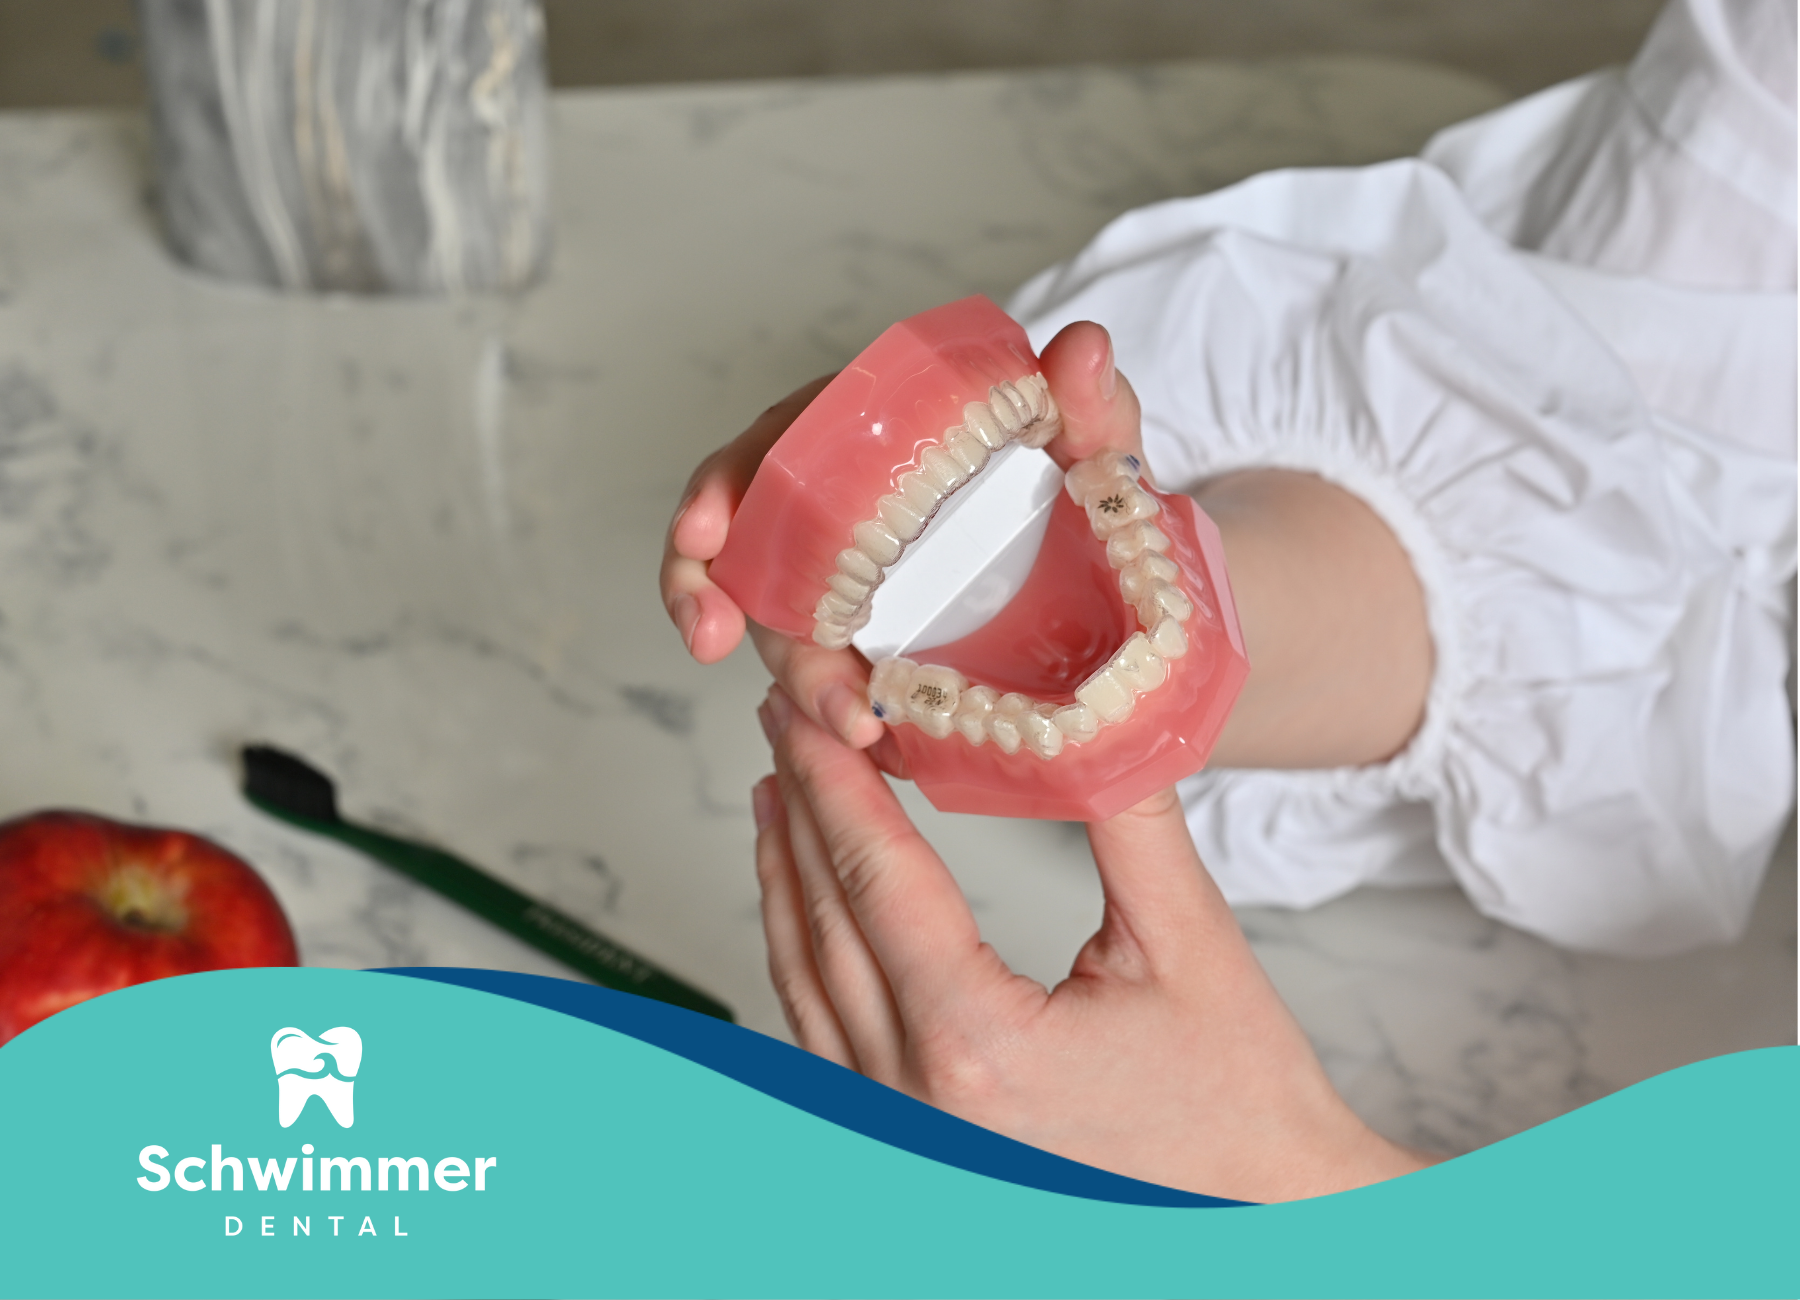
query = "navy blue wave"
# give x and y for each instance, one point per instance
(817, 1086)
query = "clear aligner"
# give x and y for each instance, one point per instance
(941, 701)
(1021, 411)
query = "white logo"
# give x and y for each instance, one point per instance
(302, 1075)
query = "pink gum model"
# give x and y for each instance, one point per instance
(1105, 679)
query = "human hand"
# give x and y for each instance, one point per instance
(831, 682)
(830, 686)
(1165, 1055)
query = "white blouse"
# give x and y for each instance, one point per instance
(1557, 356)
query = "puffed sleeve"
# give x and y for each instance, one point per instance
(1606, 757)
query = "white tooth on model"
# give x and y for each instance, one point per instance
(1041, 435)
(1157, 565)
(1034, 389)
(1077, 722)
(932, 700)
(966, 449)
(1005, 731)
(1168, 639)
(1136, 578)
(1081, 478)
(1095, 489)
(1125, 463)
(1161, 599)
(972, 713)
(1085, 476)
(889, 685)
(859, 566)
(920, 494)
(1048, 425)
(1138, 666)
(833, 636)
(1118, 505)
(1133, 540)
(944, 471)
(979, 420)
(1003, 722)
(1107, 696)
(1013, 398)
(854, 590)
(902, 521)
(1024, 396)
(874, 540)
(1004, 411)
(1040, 734)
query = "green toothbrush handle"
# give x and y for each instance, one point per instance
(538, 924)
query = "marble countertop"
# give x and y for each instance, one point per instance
(416, 541)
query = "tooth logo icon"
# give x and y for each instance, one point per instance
(302, 1074)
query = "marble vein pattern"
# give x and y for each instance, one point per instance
(333, 144)
(416, 539)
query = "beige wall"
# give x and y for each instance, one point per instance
(1520, 44)
(68, 52)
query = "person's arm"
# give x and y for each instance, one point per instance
(1333, 617)
(1165, 1055)
(1334, 622)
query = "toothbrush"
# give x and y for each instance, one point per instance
(298, 793)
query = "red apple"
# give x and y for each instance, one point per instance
(89, 905)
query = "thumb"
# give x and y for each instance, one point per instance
(1158, 892)
(1099, 408)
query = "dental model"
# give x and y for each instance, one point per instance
(940, 700)
(302, 1074)
(1108, 673)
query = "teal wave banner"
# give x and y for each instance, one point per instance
(470, 1133)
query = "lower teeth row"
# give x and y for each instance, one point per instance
(940, 701)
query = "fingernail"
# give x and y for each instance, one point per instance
(843, 709)
(762, 802)
(766, 717)
(781, 712)
(1109, 374)
(685, 610)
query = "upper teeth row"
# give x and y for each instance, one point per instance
(940, 700)
(1022, 409)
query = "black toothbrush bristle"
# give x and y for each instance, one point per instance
(277, 778)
